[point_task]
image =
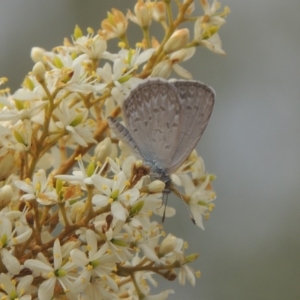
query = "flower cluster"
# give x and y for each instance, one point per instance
(75, 207)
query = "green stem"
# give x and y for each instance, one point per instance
(64, 214)
(147, 36)
(169, 12)
(124, 40)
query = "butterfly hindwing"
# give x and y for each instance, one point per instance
(123, 134)
(197, 102)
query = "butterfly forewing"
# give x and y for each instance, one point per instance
(197, 102)
(152, 115)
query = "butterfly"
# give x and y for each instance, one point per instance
(164, 122)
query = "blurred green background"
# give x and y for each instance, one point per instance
(250, 248)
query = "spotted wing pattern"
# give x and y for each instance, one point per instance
(197, 101)
(165, 120)
(152, 116)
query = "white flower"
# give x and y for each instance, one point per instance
(116, 238)
(6, 138)
(93, 47)
(214, 44)
(105, 149)
(98, 263)
(83, 175)
(143, 13)
(74, 120)
(167, 252)
(63, 273)
(97, 289)
(10, 262)
(11, 290)
(23, 134)
(25, 110)
(8, 239)
(40, 189)
(133, 58)
(211, 14)
(125, 63)
(164, 68)
(200, 197)
(115, 25)
(17, 217)
(186, 272)
(7, 235)
(115, 192)
(207, 36)
(206, 27)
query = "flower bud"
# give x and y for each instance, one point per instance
(163, 69)
(99, 46)
(168, 245)
(105, 149)
(177, 41)
(159, 11)
(143, 13)
(6, 194)
(37, 54)
(9, 162)
(156, 186)
(39, 71)
(76, 212)
(115, 25)
(190, 9)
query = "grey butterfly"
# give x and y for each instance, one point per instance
(164, 122)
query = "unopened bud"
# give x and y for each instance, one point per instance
(177, 41)
(163, 69)
(156, 186)
(37, 54)
(6, 194)
(168, 245)
(76, 212)
(39, 71)
(143, 13)
(159, 11)
(190, 9)
(105, 149)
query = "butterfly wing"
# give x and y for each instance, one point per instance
(124, 135)
(152, 114)
(197, 101)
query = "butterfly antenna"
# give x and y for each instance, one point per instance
(165, 200)
(188, 209)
